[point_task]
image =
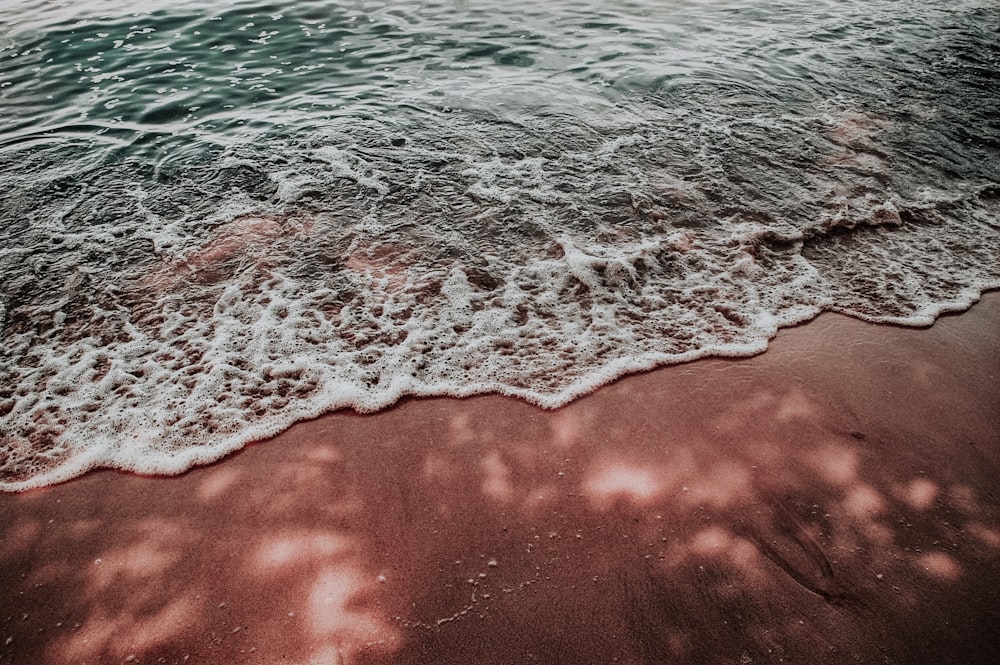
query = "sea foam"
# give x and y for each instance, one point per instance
(182, 276)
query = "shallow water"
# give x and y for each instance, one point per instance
(221, 219)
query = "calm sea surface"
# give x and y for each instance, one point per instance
(219, 218)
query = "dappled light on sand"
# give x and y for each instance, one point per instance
(634, 485)
(721, 512)
(940, 565)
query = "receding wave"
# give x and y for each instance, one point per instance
(451, 200)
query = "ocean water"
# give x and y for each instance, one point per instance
(219, 218)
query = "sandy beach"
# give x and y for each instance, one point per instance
(834, 500)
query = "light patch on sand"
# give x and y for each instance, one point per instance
(286, 550)
(324, 455)
(721, 486)
(743, 553)
(217, 482)
(142, 560)
(496, 478)
(328, 655)
(919, 494)
(299, 473)
(986, 535)
(721, 545)
(863, 500)
(710, 542)
(460, 430)
(940, 565)
(794, 406)
(126, 632)
(836, 464)
(155, 551)
(336, 615)
(618, 481)
(566, 429)
(879, 534)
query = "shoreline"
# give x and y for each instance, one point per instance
(829, 500)
(171, 465)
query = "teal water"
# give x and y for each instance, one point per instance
(218, 219)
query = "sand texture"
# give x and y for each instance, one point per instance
(834, 500)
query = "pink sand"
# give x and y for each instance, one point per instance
(834, 500)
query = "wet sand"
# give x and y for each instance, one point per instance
(834, 500)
